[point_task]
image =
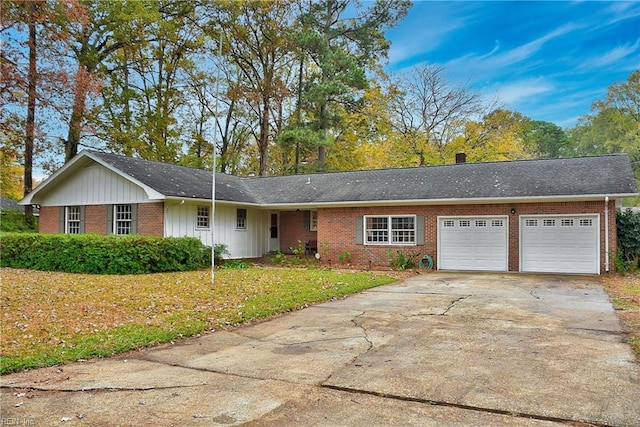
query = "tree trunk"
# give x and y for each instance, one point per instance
(322, 150)
(77, 113)
(31, 112)
(263, 143)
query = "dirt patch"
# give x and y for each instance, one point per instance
(625, 294)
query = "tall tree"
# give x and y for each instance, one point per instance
(613, 126)
(343, 41)
(95, 30)
(18, 86)
(500, 135)
(256, 43)
(149, 82)
(428, 113)
(32, 75)
(546, 140)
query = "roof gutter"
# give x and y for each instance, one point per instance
(454, 201)
(208, 201)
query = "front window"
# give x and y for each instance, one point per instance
(123, 218)
(390, 230)
(313, 221)
(241, 219)
(202, 217)
(73, 219)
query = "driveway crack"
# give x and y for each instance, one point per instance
(452, 304)
(575, 423)
(358, 324)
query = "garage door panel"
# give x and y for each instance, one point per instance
(476, 243)
(560, 244)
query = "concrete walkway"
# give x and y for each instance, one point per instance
(436, 349)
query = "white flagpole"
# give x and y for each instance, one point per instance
(213, 172)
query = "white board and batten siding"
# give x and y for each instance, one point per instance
(475, 243)
(95, 185)
(560, 243)
(252, 242)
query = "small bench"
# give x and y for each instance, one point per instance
(311, 247)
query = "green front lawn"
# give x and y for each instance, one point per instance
(50, 318)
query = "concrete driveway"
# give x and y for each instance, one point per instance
(436, 349)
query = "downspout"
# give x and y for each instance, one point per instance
(606, 234)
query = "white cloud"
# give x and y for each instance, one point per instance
(426, 27)
(512, 93)
(614, 56)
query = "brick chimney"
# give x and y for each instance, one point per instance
(461, 158)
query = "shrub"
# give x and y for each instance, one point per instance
(235, 263)
(402, 261)
(628, 253)
(100, 254)
(219, 252)
(15, 221)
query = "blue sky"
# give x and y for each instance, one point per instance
(549, 60)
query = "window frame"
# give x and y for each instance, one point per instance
(241, 220)
(313, 220)
(122, 221)
(67, 219)
(390, 232)
(206, 217)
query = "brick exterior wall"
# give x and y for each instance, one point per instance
(294, 230)
(336, 229)
(95, 219)
(150, 219)
(49, 221)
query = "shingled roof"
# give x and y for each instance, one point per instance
(552, 178)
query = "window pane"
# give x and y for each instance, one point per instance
(403, 229)
(241, 219)
(73, 219)
(122, 219)
(202, 218)
(377, 229)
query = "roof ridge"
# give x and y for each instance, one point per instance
(407, 168)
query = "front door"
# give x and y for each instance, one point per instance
(274, 232)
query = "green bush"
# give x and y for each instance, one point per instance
(402, 261)
(220, 251)
(101, 254)
(15, 221)
(628, 254)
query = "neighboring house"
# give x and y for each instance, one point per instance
(533, 215)
(12, 205)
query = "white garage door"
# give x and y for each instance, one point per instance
(559, 244)
(472, 243)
